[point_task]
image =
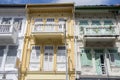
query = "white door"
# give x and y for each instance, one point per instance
(48, 58)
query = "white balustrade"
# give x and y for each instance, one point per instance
(48, 28)
(98, 30)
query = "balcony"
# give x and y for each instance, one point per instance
(101, 33)
(48, 31)
(8, 34)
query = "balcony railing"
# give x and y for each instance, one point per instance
(5, 28)
(101, 31)
(48, 28)
(8, 33)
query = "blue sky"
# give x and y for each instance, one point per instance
(77, 2)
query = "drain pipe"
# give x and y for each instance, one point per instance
(75, 51)
(66, 54)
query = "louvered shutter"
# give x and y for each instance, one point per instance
(50, 61)
(1, 54)
(114, 57)
(46, 61)
(48, 58)
(61, 60)
(86, 57)
(11, 57)
(35, 58)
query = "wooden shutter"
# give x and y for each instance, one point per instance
(18, 23)
(35, 58)
(61, 60)
(114, 57)
(1, 54)
(50, 61)
(48, 58)
(11, 57)
(86, 57)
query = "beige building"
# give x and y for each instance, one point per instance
(48, 52)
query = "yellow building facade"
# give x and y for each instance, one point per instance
(48, 40)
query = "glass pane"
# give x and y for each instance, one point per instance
(39, 20)
(61, 20)
(83, 22)
(50, 19)
(61, 47)
(96, 22)
(18, 23)
(36, 47)
(108, 22)
(99, 50)
(48, 47)
(6, 20)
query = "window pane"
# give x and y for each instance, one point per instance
(108, 22)
(18, 23)
(61, 20)
(6, 20)
(96, 22)
(61, 47)
(39, 20)
(48, 47)
(50, 19)
(83, 22)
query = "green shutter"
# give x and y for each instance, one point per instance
(96, 22)
(83, 22)
(98, 64)
(98, 52)
(86, 57)
(116, 56)
(117, 59)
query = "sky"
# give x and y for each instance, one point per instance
(77, 2)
